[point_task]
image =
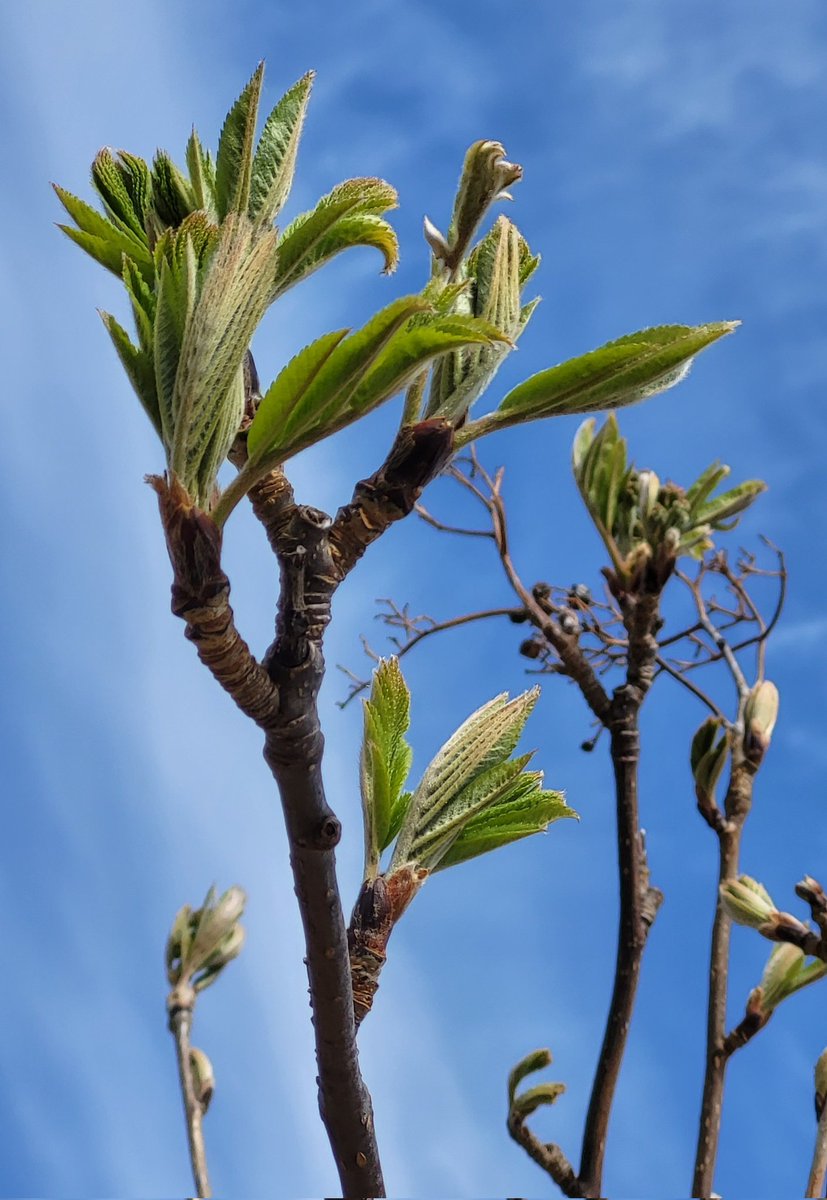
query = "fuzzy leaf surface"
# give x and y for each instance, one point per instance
(274, 163)
(234, 160)
(313, 236)
(386, 756)
(622, 372)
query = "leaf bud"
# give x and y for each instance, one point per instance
(780, 974)
(203, 1078)
(760, 715)
(747, 902)
(648, 489)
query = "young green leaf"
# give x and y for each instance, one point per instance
(624, 371)
(536, 1061)
(286, 391)
(705, 485)
(173, 197)
(385, 759)
(139, 367)
(234, 161)
(333, 388)
(514, 817)
(316, 235)
(485, 739)
(232, 299)
(437, 832)
(100, 238)
(202, 176)
(414, 347)
(123, 185)
(274, 163)
(729, 504)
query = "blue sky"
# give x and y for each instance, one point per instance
(675, 170)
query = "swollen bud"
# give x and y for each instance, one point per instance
(780, 978)
(760, 715)
(747, 902)
(486, 174)
(203, 1078)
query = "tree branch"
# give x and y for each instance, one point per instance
(416, 457)
(639, 901)
(200, 596)
(180, 1007)
(548, 1157)
(293, 751)
(280, 695)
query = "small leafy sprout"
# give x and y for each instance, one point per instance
(708, 757)
(787, 971)
(204, 940)
(201, 262)
(522, 1104)
(473, 798)
(645, 524)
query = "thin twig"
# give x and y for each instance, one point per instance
(180, 1024)
(664, 665)
(548, 1157)
(402, 648)
(423, 513)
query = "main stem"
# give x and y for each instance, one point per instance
(636, 914)
(180, 1024)
(293, 750)
(729, 842)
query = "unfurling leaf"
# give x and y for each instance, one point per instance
(471, 798)
(385, 760)
(274, 163)
(234, 160)
(349, 215)
(485, 177)
(318, 385)
(522, 1105)
(496, 270)
(139, 368)
(707, 758)
(104, 241)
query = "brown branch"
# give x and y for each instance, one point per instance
(417, 456)
(818, 1167)
(719, 1047)
(548, 1157)
(750, 1024)
(200, 596)
(280, 695)
(180, 1008)
(293, 751)
(423, 513)
(638, 905)
(728, 826)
